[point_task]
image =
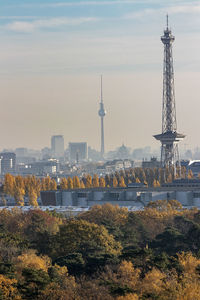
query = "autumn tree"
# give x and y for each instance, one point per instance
(114, 182)
(8, 185)
(121, 182)
(69, 183)
(137, 180)
(82, 185)
(19, 182)
(108, 180)
(190, 174)
(64, 184)
(76, 182)
(80, 235)
(30, 259)
(95, 181)
(88, 183)
(32, 195)
(8, 289)
(102, 182)
(19, 196)
(53, 185)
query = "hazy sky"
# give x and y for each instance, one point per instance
(53, 52)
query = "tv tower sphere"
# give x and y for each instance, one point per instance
(169, 137)
(102, 114)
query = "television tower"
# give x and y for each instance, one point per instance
(169, 137)
(102, 114)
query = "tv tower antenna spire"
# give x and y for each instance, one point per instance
(102, 114)
(169, 137)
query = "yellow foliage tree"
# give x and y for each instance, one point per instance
(88, 183)
(102, 182)
(169, 178)
(53, 185)
(122, 182)
(76, 182)
(8, 185)
(114, 182)
(32, 195)
(152, 282)
(19, 182)
(82, 185)
(30, 259)
(95, 181)
(137, 180)
(103, 214)
(128, 297)
(19, 196)
(69, 183)
(190, 174)
(63, 184)
(8, 289)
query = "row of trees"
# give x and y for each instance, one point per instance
(30, 186)
(104, 253)
(19, 187)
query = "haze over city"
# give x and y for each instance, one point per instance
(53, 52)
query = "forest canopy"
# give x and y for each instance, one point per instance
(107, 252)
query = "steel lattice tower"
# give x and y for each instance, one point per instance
(169, 137)
(102, 114)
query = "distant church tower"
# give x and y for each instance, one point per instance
(169, 137)
(102, 114)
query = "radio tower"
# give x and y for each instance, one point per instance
(102, 114)
(169, 137)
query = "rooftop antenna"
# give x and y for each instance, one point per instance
(101, 88)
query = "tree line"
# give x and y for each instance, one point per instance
(104, 253)
(30, 186)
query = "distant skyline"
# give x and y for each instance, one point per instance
(52, 54)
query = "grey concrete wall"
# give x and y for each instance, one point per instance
(67, 199)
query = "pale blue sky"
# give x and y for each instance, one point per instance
(53, 52)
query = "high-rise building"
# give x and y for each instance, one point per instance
(57, 146)
(102, 114)
(169, 137)
(8, 162)
(78, 152)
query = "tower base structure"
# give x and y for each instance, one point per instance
(169, 149)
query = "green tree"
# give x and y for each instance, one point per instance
(79, 236)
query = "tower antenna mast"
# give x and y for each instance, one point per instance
(102, 114)
(169, 137)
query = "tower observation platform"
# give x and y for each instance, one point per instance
(169, 137)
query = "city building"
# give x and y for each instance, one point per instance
(39, 168)
(187, 194)
(57, 146)
(78, 152)
(153, 163)
(8, 162)
(194, 166)
(21, 152)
